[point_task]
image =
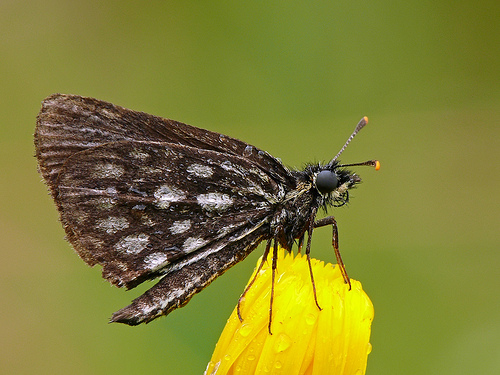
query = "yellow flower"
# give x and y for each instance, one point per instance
(304, 339)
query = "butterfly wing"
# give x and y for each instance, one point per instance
(148, 197)
(68, 124)
(136, 207)
(191, 274)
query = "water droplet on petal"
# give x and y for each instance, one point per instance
(245, 330)
(310, 319)
(282, 343)
(368, 348)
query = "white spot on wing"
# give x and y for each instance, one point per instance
(193, 243)
(214, 201)
(132, 244)
(199, 170)
(165, 195)
(111, 190)
(180, 226)
(108, 170)
(112, 224)
(215, 247)
(155, 260)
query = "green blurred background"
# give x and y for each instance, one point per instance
(292, 78)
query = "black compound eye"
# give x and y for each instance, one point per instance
(326, 182)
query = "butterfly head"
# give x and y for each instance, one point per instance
(332, 181)
(329, 180)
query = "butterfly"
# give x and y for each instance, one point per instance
(151, 198)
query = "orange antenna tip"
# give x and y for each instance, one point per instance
(377, 165)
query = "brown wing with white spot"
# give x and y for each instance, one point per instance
(68, 124)
(138, 207)
(189, 276)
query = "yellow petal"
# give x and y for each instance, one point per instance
(304, 339)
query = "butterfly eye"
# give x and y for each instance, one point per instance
(326, 182)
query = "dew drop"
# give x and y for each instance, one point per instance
(227, 357)
(247, 151)
(245, 330)
(282, 343)
(368, 348)
(310, 319)
(251, 357)
(278, 365)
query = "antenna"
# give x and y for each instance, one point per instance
(361, 125)
(371, 163)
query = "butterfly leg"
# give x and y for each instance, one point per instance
(274, 266)
(308, 251)
(264, 258)
(301, 243)
(330, 220)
